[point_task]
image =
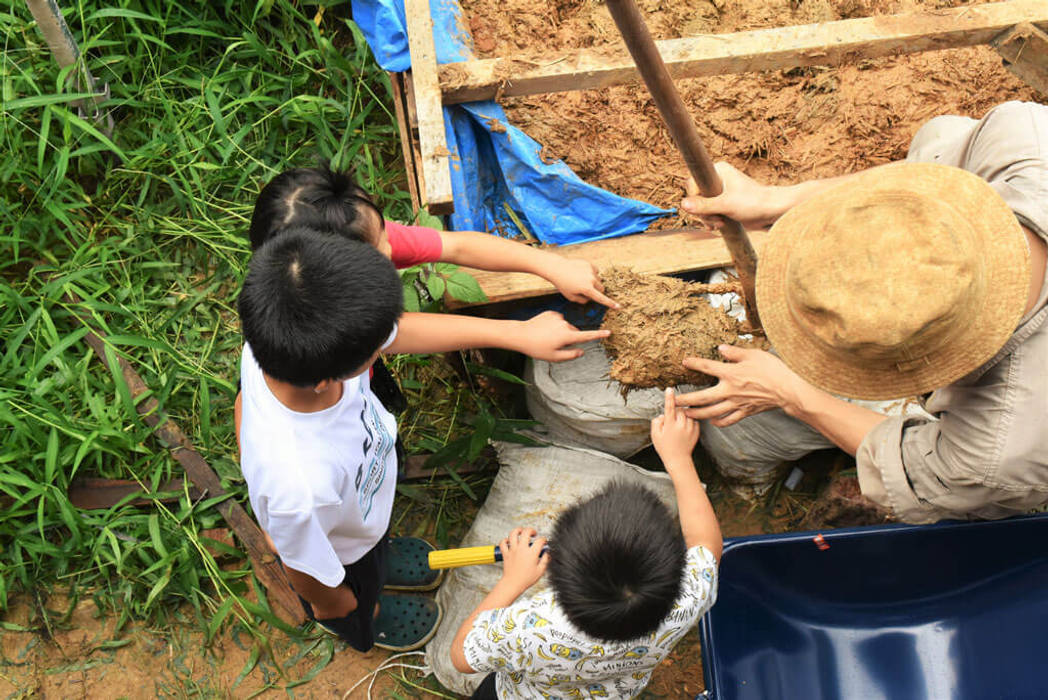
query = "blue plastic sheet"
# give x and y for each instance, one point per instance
(494, 165)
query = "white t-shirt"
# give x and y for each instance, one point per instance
(537, 652)
(321, 484)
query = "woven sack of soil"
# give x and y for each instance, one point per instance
(534, 485)
(579, 405)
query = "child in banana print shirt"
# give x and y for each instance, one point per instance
(627, 582)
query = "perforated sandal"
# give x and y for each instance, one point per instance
(406, 622)
(407, 567)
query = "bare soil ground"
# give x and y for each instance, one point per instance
(86, 655)
(778, 126)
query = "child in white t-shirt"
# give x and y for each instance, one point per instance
(626, 584)
(317, 447)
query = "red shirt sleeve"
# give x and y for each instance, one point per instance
(413, 245)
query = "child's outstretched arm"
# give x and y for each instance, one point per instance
(675, 436)
(578, 280)
(523, 563)
(545, 337)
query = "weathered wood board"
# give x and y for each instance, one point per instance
(659, 253)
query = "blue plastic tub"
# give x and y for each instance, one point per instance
(954, 610)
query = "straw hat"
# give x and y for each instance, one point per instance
(901, 280)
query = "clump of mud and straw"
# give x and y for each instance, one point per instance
(661, 321)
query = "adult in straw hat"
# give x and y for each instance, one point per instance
(924, 278)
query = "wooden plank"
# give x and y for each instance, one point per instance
(436, 169)
(1025, 52)
(656, 253)
(266, 567)
(92, 493)
(409, 103)
(415, 466)
(407, 139)
(824, 44)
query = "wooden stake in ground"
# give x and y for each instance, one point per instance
(681, 127)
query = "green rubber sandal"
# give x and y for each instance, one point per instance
(406, 622)
(408, 566)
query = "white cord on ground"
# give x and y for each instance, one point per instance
(386, 665)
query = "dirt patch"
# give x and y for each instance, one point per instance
(661, 321)
(59, 647)
(779, 126)
(842, 504)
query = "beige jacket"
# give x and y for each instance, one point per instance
(985, 454)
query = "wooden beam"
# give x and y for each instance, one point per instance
(1025, 52)
(407, 139)
(89, 493)
(436, 171)
(824, 44)
(656, 253)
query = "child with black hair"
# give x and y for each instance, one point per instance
(317, 447)
(333, 202)
(626, 584)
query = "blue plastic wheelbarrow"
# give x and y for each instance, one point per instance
(934, 612)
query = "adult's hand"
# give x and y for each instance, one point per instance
(751, 381)
(753, 204)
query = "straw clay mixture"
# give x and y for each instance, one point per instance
(662, 321)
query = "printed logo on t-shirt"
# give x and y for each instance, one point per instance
(372, 471)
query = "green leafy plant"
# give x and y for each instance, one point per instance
(426, 286)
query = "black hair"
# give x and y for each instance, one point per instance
(324, 200)
(617, 561)
(316, 306)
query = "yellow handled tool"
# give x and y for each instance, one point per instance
(467, 556)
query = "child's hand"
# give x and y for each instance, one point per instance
(522, 560)
(674, 434)
(549, 337)
(579, 281)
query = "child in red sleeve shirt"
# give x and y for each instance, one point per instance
(329, 201)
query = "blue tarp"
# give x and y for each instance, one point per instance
(495, 168)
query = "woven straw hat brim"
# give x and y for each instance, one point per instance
(1005, 255)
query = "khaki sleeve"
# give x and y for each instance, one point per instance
(909, 464)
(1008, 148)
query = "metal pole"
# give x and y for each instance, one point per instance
(681, 127)
(62, 44)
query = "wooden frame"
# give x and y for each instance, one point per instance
(1016, 29)
(824, 44)
(654, 253)
(434, 160)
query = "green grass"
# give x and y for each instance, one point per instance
(147, 228)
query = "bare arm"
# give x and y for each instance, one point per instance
(578, 280)
(753, 381)
(674, 435)
(546, 336)
(238, 413)
(844, 423)
(753, 203)
(522, 565)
